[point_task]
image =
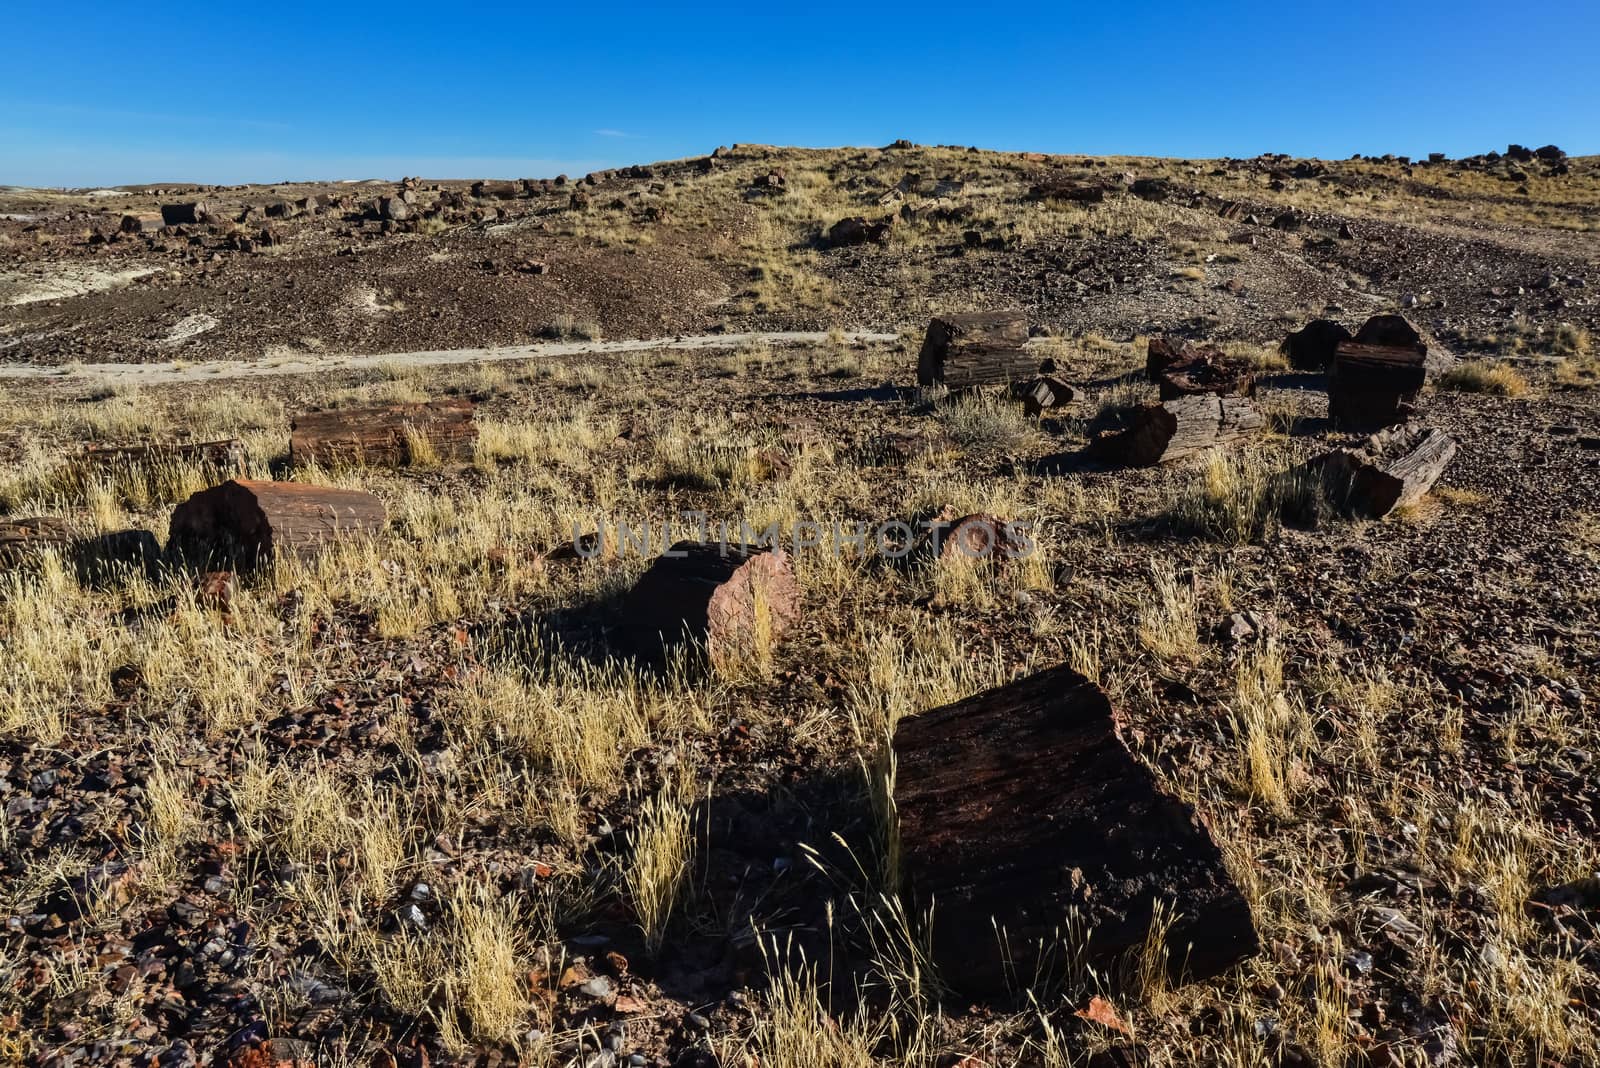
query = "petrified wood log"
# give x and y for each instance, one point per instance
(1396, 331)
(186, 214)
(1218, 376)
(1162, 354)
(496, 190)
(225, 455)
(1311, 348)
(1172, 429)
(976, 349)
(858, 230)
(144, 222)
(1374, 385)
(1043, 394)
(1021, 809)
(732, 598)
(245, 523)
(385, 435)
(24, 539)
(1394, 468)
(93, 558)
(1068, 191)
(979, 537)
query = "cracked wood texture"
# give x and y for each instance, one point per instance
(227, 454)
(1160, 433)
(1021, 807)
(22, 539)
(382, 434)
(247, 522)
(1374, 385)
(976, 349)
(1391, 470)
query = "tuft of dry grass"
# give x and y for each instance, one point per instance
(660, 857)
(1476, 376)
(1240, 497)
(1169, 623)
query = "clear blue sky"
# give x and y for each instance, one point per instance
(99, 93)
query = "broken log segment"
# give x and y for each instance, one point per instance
(1021, 808)
(1311, 348)
(976, 349)
(1162, 354)
(1222, 377)
(93, 557)
(1043, 394)
(1159, 433)
(1392, 469)
(389, 434)
(25, 539)
(245, 523)
(142, 223)
(736, 599)
(1396, 331)
(1374, 385)
(186, 214)
(979, 537)
(496, 190)
(1068, 191)
(225, 455)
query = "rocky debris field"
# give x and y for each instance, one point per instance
(1484, 250)
(401, 715)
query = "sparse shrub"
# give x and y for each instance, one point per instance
(1239, 498)
(658, 867)
(1497, 379)
(985, 421)
(567, 327)
(1169, 625)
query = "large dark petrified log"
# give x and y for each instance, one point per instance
(1021, 809)
(976, 349)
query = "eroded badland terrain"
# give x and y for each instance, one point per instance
(1284, 747)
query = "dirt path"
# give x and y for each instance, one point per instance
(310, 363)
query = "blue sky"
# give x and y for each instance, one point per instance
(103, 93)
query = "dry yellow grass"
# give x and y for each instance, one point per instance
(1498, 379)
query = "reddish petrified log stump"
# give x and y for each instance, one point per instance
(733, 598)
(1375, 385)
(383, 435)
(1020, 808)
(1392, 469)
(1184, 368)
(247, 523)
(977, 349)
(979, 537)
(1159, 433)
(1160, 354)
(1220, 377)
